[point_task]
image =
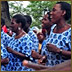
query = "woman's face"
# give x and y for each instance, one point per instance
(14, 25)
(45, 22)
(56, 13)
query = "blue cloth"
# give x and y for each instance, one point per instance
(4, 54)
(60, 40)
(23, 45)
(34, 39)
(5, 38)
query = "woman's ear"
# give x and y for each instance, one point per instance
(63, 12)
(20, 25)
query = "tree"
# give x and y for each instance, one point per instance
(35, 9)
(5, 12)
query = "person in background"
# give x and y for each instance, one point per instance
(41, 38)
(3, 26)
(35, 29)
(30, 32)
(4, 36)
(4, 42)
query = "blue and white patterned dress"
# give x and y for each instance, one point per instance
(5, 37)
(23, 45)
(60, 40)
(34, 38)
(4, 54)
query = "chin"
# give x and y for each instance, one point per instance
(52, 20)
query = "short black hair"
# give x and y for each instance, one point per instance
(20, 19)
(2, 22)
(28, 19)
(67, 7)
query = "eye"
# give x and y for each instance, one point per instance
(45, 19)
(53, 9)
(12, 23)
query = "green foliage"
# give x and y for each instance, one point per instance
(35, 9)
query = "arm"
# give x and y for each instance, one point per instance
(17, 53)
(65, 66)
(36, 55)
(41, 59)
(33, 65)
(65, 53)
(53, 48)
(4, 61)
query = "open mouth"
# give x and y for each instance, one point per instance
(50, 17)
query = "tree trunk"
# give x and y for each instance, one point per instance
(5, 12)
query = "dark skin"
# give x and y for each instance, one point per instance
(19, 33)
(4, 61)
(41, 59)
(65, 66)
(46, 24)
(41, 37)
(20, 55)
(58, 17)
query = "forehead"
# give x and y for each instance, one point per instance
(57, 6)
(40, 33)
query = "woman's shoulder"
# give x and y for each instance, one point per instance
(26, 37)
(68, 28)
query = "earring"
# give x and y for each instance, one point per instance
(19, 28)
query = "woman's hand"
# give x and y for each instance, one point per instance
(42, 60)
(9, 49)
(35, 55)
(52, 48)
(4, 61)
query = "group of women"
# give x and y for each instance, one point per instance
(56, 47)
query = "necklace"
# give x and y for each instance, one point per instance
(20, 35)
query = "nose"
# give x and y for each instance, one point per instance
(10, 25)
(51, 13)
(42, 21)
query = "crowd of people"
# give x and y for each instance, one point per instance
(50, 47)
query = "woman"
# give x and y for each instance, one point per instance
(20, 45)
(59, 42)
(46, 24)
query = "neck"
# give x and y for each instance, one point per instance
(19, 32)
(48, 30)
(61, 24)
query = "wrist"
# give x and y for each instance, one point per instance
(40, 56)
(59, 51)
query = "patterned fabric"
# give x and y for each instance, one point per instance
(23, 45)
(34, 38)
(4, 54)
(5, 38)
(60, 40)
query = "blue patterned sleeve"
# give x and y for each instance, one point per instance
(27, 47)
(34, 39)
(3, 52)
(67, 39)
